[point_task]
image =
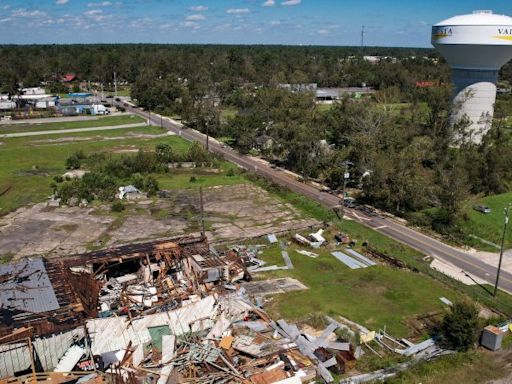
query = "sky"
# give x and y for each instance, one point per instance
(404, 23)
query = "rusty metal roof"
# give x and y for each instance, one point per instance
(25, 286)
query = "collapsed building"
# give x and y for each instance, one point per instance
(168, 311)
(162, 312)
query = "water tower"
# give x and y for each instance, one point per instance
(475, 46)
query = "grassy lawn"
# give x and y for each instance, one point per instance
(474, 367)
(414, 259)
(99, 122)
(376, 297)
(181, 178)
(488, 226)
(27, 166)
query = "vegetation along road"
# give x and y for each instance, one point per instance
(389, 227)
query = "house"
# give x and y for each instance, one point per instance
(33, 91)
(68, 78)
(425, 84)
(129, 192)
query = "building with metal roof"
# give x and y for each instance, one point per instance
(25, 286)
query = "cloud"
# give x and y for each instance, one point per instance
(322, 31)
(291, 2)
(269, 3)
(93, 12)
(61, 2)
(195, 17)
(100, 4)
(237, 11)
(22, 12)
(198, 8)
(275, 22)
(191, 24)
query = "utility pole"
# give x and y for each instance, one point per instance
(115, 84)
(505, 224)
(202, 210)
(362, 37)
(346, 176)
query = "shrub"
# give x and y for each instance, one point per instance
(459, 327)
(192, 179)
(117, 206)
(230, 172)
(75, 160)
(150, 185)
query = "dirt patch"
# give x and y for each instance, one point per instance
(71, 139)
(503, 359)
(231, 213)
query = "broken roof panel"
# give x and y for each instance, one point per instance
(115, 333)
(25, 286)
(348, 261)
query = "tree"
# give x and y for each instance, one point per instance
(459, 327)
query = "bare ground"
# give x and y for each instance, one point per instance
(231, 212)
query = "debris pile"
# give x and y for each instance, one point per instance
(171, 311)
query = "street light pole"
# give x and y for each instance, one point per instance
(346, 176)
(505, 224)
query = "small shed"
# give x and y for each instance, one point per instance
(492, 337)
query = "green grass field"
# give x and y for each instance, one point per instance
(488, 226)
(181, 179)
(99, 122)
(28, 165)
(376, 297)
(474, 367)
(414, 259)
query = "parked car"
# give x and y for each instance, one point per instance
(350, 202)
(482, 208)
(370, 211)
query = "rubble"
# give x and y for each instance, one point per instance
(169, 311)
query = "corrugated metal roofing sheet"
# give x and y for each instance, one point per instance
(25, 286)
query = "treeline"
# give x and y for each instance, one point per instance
(401, 155)
(222, 64)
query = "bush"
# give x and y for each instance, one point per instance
(75, 160)
(230, 172)
(150, 185)
(117, 206)
(460, 326)
(192, 179)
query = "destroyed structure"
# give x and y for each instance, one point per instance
(172, 311)
(169, 311)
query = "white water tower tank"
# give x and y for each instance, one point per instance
(475, 46)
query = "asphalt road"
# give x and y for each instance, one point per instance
(389, 227)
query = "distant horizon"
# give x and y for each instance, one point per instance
(220, 44)
(387, 23)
